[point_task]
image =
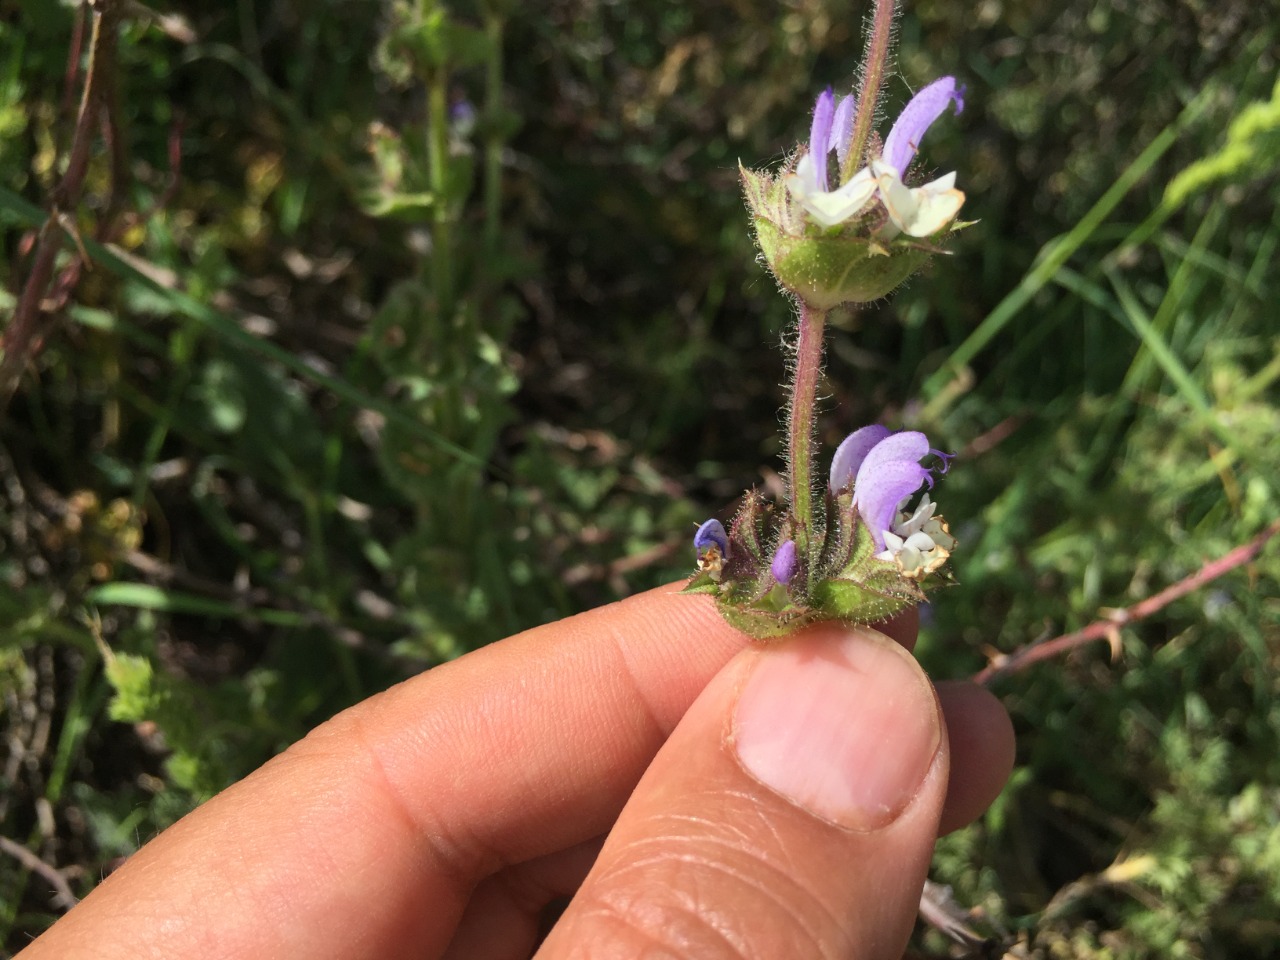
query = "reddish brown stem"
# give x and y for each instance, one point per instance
(26, 330)
(800, 420)
(1105, 628)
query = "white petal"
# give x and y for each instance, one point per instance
(830, 208)
(916, 522)
(919, 541)
(807, 171)
(933, 211)
(938, 532)
(899, 202)
(918, 211)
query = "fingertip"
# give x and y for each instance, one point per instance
(903, 627)
(983, 748)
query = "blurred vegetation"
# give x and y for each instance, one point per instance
(411, 325)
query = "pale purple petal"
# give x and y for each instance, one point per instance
(851, 452)
(786, 563)
(916, 118)
(878, 493)
(820, 134)
(842, 126)
(905, 445)
(712, 534)
(890, 472)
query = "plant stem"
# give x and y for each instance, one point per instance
(493, 28)
(438, 160)
(31, 322)
(874, 65)
(800, 421)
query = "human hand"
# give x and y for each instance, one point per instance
(759, 802)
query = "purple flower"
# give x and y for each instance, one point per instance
(711, 534)
(462, 118)
(917, 211)
(712, 544)
(884, 468)
(786, 563)
(831, 129)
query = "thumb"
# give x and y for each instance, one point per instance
(792, 813)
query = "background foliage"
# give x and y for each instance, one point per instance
(364, 380)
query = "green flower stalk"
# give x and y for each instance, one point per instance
(835, 233)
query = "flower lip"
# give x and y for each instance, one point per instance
(917, 211)
(916, 118)
(786, 563)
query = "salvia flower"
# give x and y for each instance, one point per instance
(831, 239)
(884, 471)
(712, 545)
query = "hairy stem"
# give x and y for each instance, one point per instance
(800, 420)
(874, 65)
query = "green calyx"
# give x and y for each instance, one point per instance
(826, 267)
(840, 578)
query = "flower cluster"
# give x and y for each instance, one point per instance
(916, 211)
(864, 563)
(858, 239)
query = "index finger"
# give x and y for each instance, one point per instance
(367, 837)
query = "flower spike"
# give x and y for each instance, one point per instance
(835, 233)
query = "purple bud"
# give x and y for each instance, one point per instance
(785, 563)
(711, 534)
(820, 134)
(916, 118)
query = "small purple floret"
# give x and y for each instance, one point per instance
(711, 534)
(786, 563)
(885, 469)
(916, 118)
(820, 134)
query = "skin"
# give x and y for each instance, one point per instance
(440, 818)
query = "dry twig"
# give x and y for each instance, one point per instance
(1108, 627)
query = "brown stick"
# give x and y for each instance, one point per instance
(64, 898)
(1107, 628)
(26, 330)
